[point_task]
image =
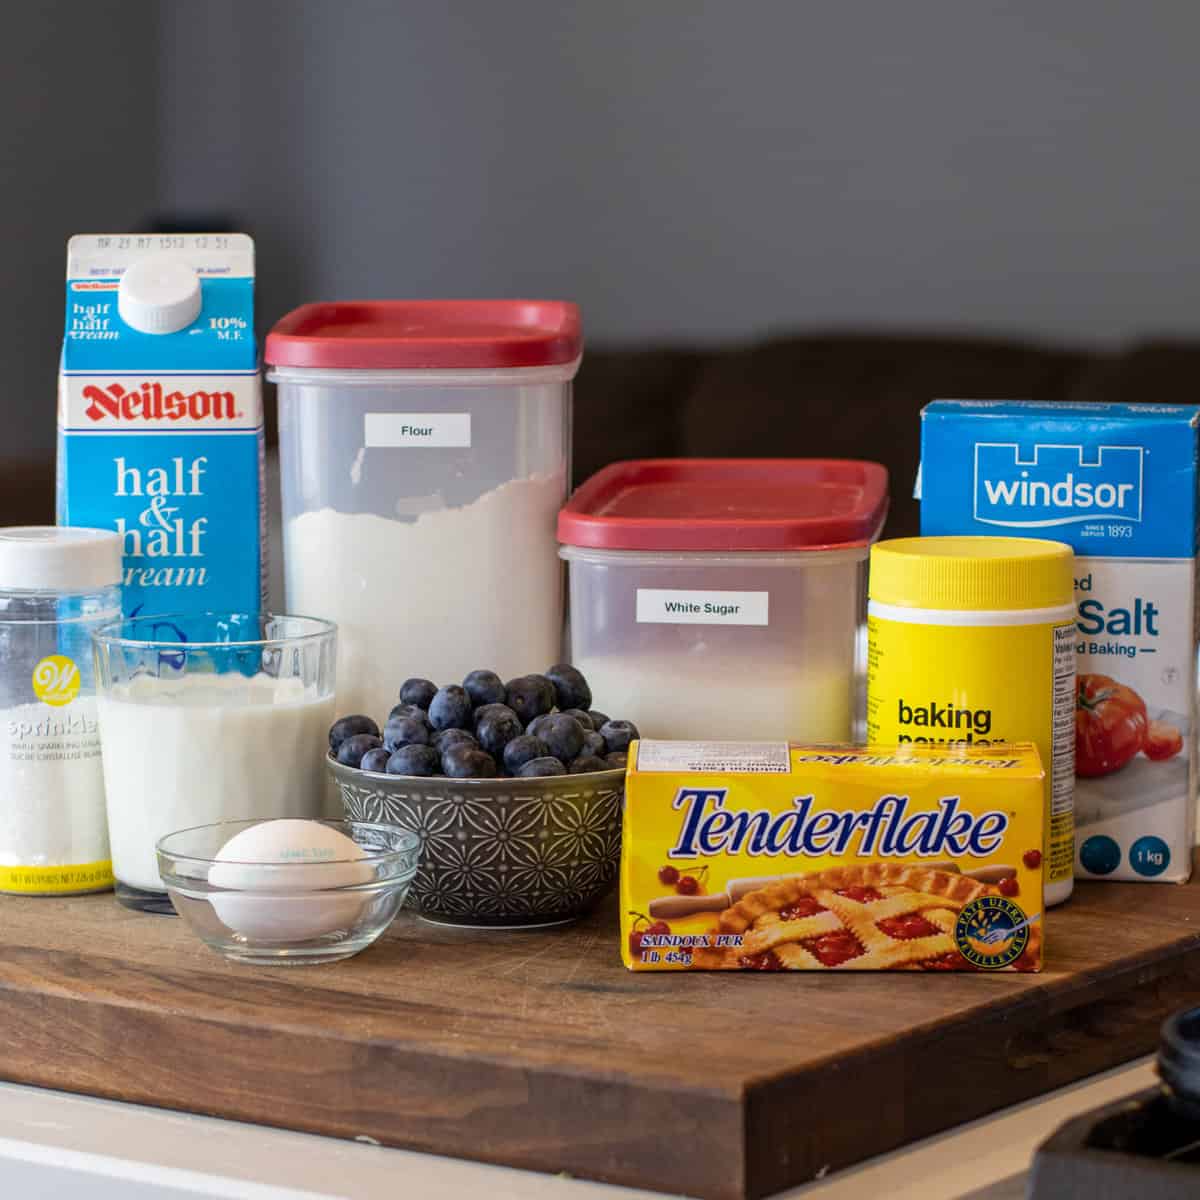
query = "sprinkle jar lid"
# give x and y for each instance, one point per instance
(51, 558)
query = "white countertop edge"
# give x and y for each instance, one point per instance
(114, 1145)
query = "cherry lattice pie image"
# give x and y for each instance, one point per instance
(882, 916)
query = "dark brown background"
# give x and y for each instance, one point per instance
(838, 395)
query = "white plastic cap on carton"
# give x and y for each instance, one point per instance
(159, 295)
(51, 558)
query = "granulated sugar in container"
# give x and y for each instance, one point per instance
(425, 453)
(722, 598)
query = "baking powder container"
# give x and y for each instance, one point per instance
(972, 640)
(56, 586)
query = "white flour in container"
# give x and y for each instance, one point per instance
(52, 796)
(455, 590)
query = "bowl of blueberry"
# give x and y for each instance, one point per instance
(515, 789)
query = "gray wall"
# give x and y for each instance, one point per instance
(695, 169)
(79, 152)
(710, 169)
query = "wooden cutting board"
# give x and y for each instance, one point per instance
(539, 1050)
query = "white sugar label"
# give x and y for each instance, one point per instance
(393, 431)
(666, 606)
(715, 758)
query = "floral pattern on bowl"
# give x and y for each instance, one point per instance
(500, 852)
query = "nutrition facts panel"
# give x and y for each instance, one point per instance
(1062, 750)
(717, 758)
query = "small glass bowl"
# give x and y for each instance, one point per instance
(292, 913)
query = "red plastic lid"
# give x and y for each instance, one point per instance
(728, 504)
(427, 334)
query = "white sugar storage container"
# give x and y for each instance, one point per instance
(722, 598)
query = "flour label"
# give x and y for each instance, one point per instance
(669, 606)
(395, 431)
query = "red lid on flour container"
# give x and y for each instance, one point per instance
(723, 504)
(427, 335)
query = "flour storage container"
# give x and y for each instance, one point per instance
(723, 598)
(424, 455)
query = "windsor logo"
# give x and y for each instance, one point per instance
(1056, 485)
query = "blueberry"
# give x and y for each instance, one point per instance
(375, 760)
(593, 744)
(409, 710)
(536, 724)
(489, 711)
(415, 759)
(585, 763)
(570, 688)
(347, 727)
(453, 737)
(618, 758)
(563, 735)
(530, 696)
(599, 719)
(405, 731)
(450, 708)
(350, 752)
(496, 730)
(584, 718)
(463, 762)
(484, 687)
(521, 750)
(618, 734)
(418, 691)
(537, 767)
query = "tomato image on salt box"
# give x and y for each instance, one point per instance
(1118, 483)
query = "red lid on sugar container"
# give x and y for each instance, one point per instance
(724, 504)
(427, 335)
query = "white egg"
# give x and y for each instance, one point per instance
(276, 880)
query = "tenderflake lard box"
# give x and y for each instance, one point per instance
(760, 856)
(1118, 483)
(160, 416)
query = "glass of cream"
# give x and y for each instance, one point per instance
(208, 717)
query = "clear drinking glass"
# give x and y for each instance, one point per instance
(208, 717)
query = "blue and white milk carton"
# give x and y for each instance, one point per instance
(1118, 482)
(160, 432)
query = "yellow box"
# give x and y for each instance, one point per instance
(764, 856)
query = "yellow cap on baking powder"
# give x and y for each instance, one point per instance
(965, 573)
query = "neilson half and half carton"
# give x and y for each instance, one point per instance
(160, 432)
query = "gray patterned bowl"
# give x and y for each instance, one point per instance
(499, 852)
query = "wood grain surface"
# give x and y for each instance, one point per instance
(539, 1050)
